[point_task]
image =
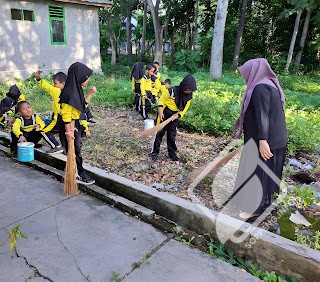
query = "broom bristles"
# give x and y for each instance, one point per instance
(154, 130)
(70, 186)
(195, 178)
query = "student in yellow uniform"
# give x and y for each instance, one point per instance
(59, 80)
(163, 87)
(156, 83)
(73, 102)
(15, 94)
(136, 75)
(173, 104)
(27, 127)
(144, 104)
(5, 108)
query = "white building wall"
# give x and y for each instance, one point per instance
(26, 45)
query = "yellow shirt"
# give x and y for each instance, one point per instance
(167, 101)
(69, 113)
(26, 125)
(134, 81)
(84, 123)
(54, 92)
(21, 98)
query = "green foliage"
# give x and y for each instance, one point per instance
(115, 277)
(221, 252)
(300, 197)
(187, 61)
(312, 242)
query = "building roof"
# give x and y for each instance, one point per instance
(99, 3)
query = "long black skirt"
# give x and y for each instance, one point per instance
(258, 181)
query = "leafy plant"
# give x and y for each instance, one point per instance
(187, 61)
(115, 277)
(14, 234)
(220, 251)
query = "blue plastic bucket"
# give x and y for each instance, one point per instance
(25, 152)
(47, 121)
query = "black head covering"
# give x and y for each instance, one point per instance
(14, 93)
(6, 104)
(137, 71)
(72, 92)
(181, 99)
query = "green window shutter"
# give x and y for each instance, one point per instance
(57, 23)
(16, 14)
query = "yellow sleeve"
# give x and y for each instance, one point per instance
(50, 89)
(84, 123)
(40, 122)
(16, 127)
(21, 98)
(69, 113)
(181, 113)
(162, 101)
(143, 86)
(133, 83)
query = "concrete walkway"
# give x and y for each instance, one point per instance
(80, 238)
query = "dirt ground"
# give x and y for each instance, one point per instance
(115, 146)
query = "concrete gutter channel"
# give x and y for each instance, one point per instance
(269, 251)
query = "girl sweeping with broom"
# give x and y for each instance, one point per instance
(72, 102)
(173, 104)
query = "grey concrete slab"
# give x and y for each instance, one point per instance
(24, 191)
(180, 263)
(84, 237)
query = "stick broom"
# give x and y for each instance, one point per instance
(154, 130)
(70, 186)
(196, 177)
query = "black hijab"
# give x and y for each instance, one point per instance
(6, 104)
(14, 93)
(72, 92)
(181, 99)
(137, 71)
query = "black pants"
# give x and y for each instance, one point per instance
(32, 136)
(77, 143)
(171, 129)
(49, 136)
(88, 113)
(147, 104)
(255, 188)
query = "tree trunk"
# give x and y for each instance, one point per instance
(293, 40)
(129, 34)
(195, 31)
(172, 53)
(158, 30)
(144, 28)
(113, 39)
(302, 40)
(236, 55)
(218, 39)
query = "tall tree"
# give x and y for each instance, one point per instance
(144, 27)
(129, 32)
(293, 40)
(195, 31)
(158, 30)
(302, 40)
(218, 39)
(242, 16)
